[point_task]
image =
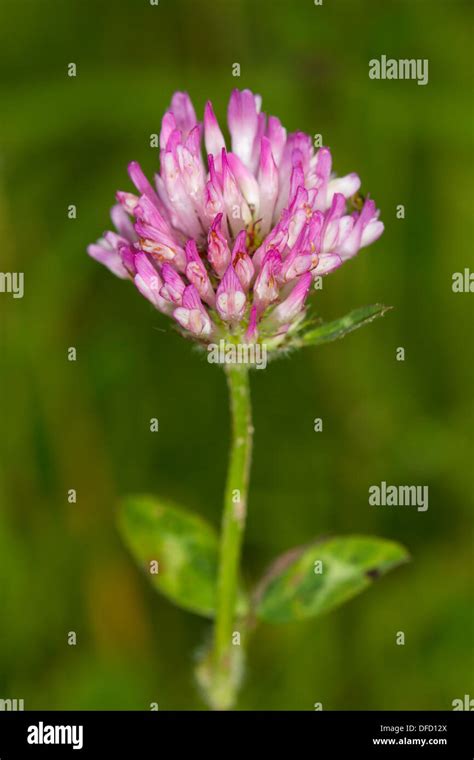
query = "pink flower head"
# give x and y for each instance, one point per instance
(227, 241)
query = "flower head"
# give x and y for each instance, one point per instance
(229, 243)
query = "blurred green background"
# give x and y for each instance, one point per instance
(85, 425)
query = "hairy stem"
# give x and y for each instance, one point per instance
(233, 524)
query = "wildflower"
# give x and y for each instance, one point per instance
(229, 244)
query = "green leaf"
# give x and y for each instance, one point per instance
(183, 544)
(311, 580)
(329, 331)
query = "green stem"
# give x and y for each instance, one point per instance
(233, 524)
